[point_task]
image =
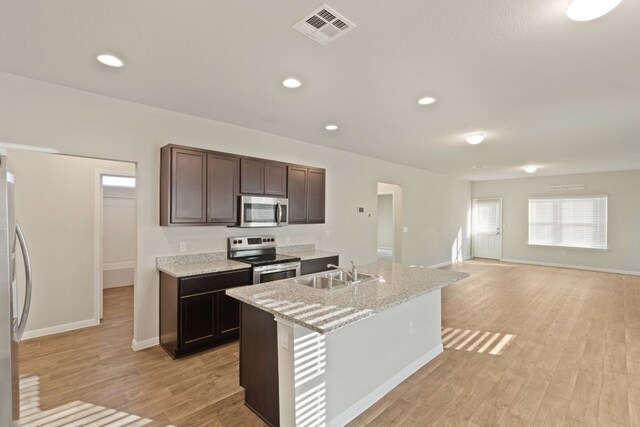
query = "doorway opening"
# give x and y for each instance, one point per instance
(389, 240)
(487, 228)
(59, 203)
(117, 233)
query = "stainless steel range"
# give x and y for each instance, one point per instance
(260, 253)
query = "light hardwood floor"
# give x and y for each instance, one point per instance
(574, 359)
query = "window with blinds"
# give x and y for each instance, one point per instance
(576, 222)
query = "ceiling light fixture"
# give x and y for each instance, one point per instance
(475, 138)
(331, 127)
(427, 100)
(291, 83)
(110, 60)
(530, 169)
(479, 166)
(588, 10)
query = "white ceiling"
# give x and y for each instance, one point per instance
(545, 90)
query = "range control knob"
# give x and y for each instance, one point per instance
(239, 241)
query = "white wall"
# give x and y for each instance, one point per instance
(435, 207)
(119, 236)
(623, 189)
(55, 205)
(385, 221)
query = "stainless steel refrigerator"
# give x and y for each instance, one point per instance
(12, 319)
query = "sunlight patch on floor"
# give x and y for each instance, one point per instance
(72, 414)
(492, 343)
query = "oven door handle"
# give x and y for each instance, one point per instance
(276, 268)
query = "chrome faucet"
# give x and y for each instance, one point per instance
(333, 266)
(354, 271)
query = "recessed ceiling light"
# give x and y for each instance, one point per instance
(331, 127)
(530, 169)
(475, 138)
(291, 83)
(426, 100)
(479, 166)
(110, 60)
(588, 10)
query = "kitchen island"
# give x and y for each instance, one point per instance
(321, 357)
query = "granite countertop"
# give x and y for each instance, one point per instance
(304, 252)
(194, 264)
(185, 270)
(324, 311)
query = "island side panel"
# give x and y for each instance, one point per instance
(259, 363)
(348, 370)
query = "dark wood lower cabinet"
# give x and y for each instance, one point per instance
(229, 315)
(318, 265)
(195, 312)
(198, 318)
(259, 363)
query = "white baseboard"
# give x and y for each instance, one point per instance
(384, 388)
(141, 345)
(118, 265)
(36, 333)
(444, 264)
(575, 267)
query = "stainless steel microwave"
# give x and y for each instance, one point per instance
(257, 211)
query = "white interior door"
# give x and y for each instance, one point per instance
(487, 228)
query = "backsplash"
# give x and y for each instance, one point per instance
(191, 258)
(284, 250)
(222, 255)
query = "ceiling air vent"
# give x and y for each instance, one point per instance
(324, 25)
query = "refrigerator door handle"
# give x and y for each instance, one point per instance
(28, 280)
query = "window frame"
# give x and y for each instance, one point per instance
(558, 245)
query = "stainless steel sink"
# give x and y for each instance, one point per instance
(321, 282)
(347, 276)
(334, 280)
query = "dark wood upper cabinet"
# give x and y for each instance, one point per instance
(201, 187)
(315, 195)
(251, 176)
(222, 189)
(306, 195)
(275, 179)
(263, 177)
(298, 181)
(188, 185)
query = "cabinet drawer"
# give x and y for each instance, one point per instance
(214, 282)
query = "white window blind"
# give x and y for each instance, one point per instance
(577, 222)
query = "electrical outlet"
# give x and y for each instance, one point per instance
(283, 338)
(410, 327)
(183, 246)
(327, 233)
(287, 240)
